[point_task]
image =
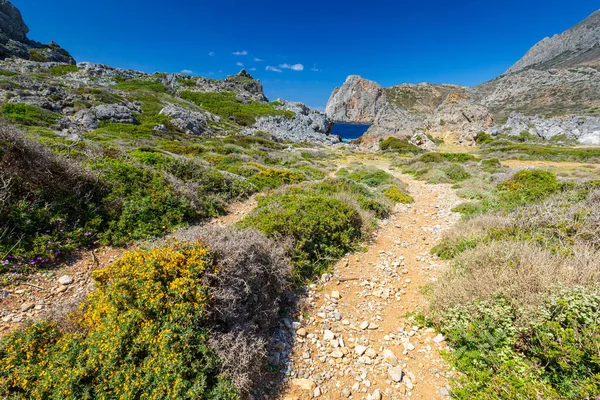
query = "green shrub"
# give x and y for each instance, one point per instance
(147, 209)
(61, 70)
(26, 114)
(4, 72)
(442, 157)
(483, 138)
(322, 228)
(143, 334)
(137, 84)
(528, 186)
(398, 196)
(370, 176)
(226, 105)
(37, 55)
(274, 178)
(399, 146)
(456, 172)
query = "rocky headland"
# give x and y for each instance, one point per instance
(555, 87)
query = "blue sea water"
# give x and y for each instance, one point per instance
(349, 132)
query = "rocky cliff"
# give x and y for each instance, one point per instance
(14, 41)
(578, 46)
(557, 79)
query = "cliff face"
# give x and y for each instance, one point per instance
(558, 78)
(14, 41)
(358, 100)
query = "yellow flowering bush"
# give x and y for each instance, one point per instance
(143, 335)
(397, 195)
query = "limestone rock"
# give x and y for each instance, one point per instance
(395, 373)
(191, 122)
(304, 384)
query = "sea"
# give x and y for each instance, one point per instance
(349, 132)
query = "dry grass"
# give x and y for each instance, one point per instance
(521, 272)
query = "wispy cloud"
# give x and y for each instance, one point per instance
(240, 53)
(315, 69)
(252, 69)
(187, 71)
(212, 53)
(272, 69)
(258, 59)
(239, 64)
(294, 67)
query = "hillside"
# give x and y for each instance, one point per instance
(576, 47)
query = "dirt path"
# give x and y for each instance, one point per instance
(356, 323)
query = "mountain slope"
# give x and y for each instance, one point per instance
(578, 46)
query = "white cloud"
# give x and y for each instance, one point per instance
(273, 69)
(239, 64)
(212, 53)
(252, 69)
(258, 59)
(240, 53)
(187, 71)
(315, 69)
(295, 67)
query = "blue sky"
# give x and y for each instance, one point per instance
(392, 42)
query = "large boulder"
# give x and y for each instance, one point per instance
(88, 120)
(191, 122)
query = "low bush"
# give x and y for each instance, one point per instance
(528, 186)
(456, 172)
(183, 320)
(274, 178)
(400, 146)
(370, 176)
(26, 114)
(398, 196)
(322, 228)
(443, 157)
(48, 205)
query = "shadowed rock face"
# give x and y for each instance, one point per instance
(11, 22)
(14, 41)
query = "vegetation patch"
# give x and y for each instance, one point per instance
(228, 106)
(26, 114)
(400, 146)
(398, 196)
(166, 322)
(61, 70)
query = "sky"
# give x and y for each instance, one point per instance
(302, 50)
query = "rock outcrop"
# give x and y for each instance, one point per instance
(358, 100)
(14, 41)
(192, 122)
(585, 130)
(458, 120)
(306, 126)
(578, 46)
(243, 84)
